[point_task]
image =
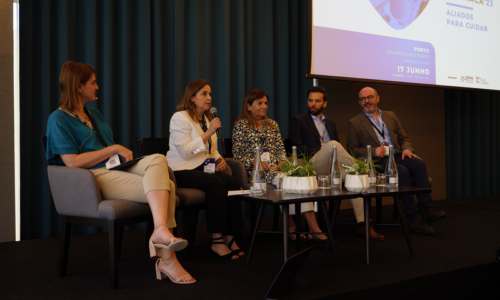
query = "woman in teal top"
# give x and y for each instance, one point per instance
(72, 140)
(66, 134)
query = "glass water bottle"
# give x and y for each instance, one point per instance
(372, 176)
(391, 170)
(294, 155)
(258, 184)
(335, 171)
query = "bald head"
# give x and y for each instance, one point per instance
(369, 89)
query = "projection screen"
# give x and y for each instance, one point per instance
(453, 43)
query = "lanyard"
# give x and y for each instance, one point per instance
(263, 134)
(378, 130)
(94, 125)
(324, 131)
(204, 127)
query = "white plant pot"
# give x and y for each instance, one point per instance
(357, 183)
(300, 185)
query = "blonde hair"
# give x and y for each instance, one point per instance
(186, 104)
(72, 74)
(250, 97)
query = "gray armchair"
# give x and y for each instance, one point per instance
(78, 200)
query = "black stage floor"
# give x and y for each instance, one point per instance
(456, 263)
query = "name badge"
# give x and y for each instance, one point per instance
(113, 161)
(264, 155)
(209, 166)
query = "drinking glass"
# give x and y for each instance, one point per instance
(381, 180)
(279, 184)
(323, 181)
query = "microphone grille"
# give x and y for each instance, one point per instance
(213, 110)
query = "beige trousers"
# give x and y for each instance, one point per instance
(321, 161)
(148, 174)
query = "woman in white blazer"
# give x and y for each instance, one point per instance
(197, 164)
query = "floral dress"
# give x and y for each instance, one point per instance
(245, 139)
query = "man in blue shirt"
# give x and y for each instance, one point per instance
(380, 129)
(315, 135)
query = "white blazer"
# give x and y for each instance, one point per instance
(185, 137)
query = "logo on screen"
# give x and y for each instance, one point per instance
(469, 79)
(399, 14)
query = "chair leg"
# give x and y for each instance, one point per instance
(276, 217)
(187, 233)
(113, 233)
(378, 208)
(64, 246)
(149, 231)
(175, 229)
(119, 232)
(195, 225)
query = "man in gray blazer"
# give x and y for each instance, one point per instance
(380, 129)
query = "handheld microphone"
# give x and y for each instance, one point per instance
(213, 111)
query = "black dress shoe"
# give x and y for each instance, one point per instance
(430, 215)
(419, 226)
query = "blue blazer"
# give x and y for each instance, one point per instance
(305, 135)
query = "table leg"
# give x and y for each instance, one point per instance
(329, 231)
(378, 206)
(285, 231)
(256, 230)
(298, 213)
(397, 202)
(367, 202)
(334, 219)
(253, 214)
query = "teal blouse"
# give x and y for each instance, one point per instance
(67, 135)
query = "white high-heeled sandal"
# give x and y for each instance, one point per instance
(174, 245)
(161, 275)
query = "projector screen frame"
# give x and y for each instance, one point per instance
(355, 79)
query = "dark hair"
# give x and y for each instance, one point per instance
(318, 89)
(249, 99)
(186, 104)
(73, 74)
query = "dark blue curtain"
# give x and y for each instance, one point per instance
(472, 143)
(145, 52)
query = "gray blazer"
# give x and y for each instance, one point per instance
(360, 133)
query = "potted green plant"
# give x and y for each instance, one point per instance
(299, 178)
(356, 178)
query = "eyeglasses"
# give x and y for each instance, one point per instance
(363, 99)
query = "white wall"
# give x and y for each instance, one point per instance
(7, 168)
